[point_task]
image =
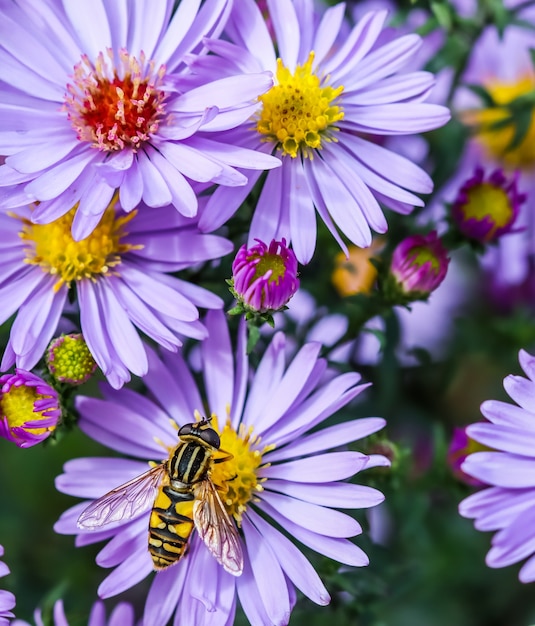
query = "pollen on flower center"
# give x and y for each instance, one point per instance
(115, 107)
(18, 406)
(69, 359)
(266, 262)
(495, 127)
(52, 247)
(298, 113)
(238, 475)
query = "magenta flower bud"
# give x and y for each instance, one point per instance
(29, 408)
(264, 279)
(419, 264)
(460, 447)
(487, 209)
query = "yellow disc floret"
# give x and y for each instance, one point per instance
(298, 113)
(488, 201)
(237, 477)
(52, 247)
(496, 130)
(18, 404)
(273, 262)
(69, 360)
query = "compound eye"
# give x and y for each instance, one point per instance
(185, 430)
(211, 437)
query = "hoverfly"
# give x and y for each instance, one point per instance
(182, 496)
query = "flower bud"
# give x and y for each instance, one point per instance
(419, 264)
(29, 408)
(487, 209)
(460, 447)
(69, 361)
(264, 279)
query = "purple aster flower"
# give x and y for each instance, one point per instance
(485, 210)
(329, 96)
(7, 599)
(29, 408)
(508, 504)
(278, 471)
(419, 264)
(93, 101)
(264, 278)
(122, 615)
(121, 273)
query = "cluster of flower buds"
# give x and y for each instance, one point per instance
(30, 407)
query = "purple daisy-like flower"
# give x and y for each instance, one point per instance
(278, 470)
(265, 278)
(329, 97)
(7, 599)
(122, 615)
(121, 273)
(93, 101)
(419, 264)
(29, 408)
(508, 505)
(485, 210)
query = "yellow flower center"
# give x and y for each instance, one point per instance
(497, 141)
(487, 201)
(298, 113)
(17, 405)
(268, 262)
(52, 247)
(238, 475)
(419, 255)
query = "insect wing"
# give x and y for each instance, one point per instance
(216, 528)
(124, 502)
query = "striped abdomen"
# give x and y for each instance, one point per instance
(170, 526)
(171, 520)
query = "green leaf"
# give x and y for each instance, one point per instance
(442, 12)
(522, 126)
(480, 91)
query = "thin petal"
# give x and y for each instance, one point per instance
(293, 562)
(164, 594)
(500, 468)
(328, 438)
(131, 571)
(336, 494)
(218, 363)
(268, 575)
(121, 429)
(321, 468)
(341, 550)
(90, 24)
(317, 519)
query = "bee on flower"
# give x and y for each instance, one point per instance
(269, 467)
